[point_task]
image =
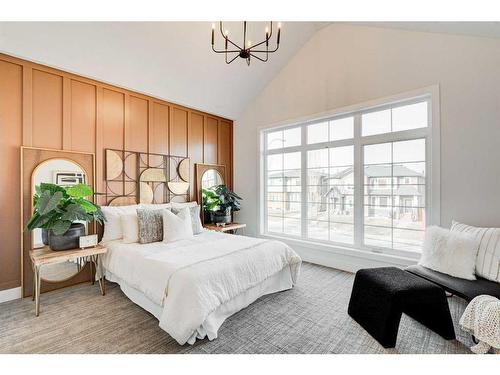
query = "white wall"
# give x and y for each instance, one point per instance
(348, 64)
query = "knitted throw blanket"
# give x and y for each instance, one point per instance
(481, 318)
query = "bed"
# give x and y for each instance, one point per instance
(191, 286)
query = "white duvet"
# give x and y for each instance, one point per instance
(191, 278)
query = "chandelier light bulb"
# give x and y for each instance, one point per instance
(249, 43)
(213, 26)
(226, 32)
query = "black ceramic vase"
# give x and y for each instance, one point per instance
(45, 236)
(222, 216)
(68, 240)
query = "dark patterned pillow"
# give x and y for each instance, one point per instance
(150, 225)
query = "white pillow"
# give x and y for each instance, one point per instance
(179, 206)
(449, 252)
(195, 218)
(113, 225)
(177, 227)
(130, 227)
(488, 256)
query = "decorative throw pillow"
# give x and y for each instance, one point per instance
(130, 228)
(181, 205)
(177, 227)
(449, 252)
(488, 256)
(195, 218)
(113, 225)
(150, 225)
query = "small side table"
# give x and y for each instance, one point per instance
(45, 256)
(231, 228)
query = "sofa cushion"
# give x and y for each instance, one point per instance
(488, 256)
(467, 289)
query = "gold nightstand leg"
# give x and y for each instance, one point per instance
(34, 286)
(102, 284)
(92, 278)
(37, 290)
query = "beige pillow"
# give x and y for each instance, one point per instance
(177, 227)
(130, 228)
(488, 256)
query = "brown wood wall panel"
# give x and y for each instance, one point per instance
(11, 85)
(47, 112)
(195, 146)
(210, 141)
(225, 142)
(136, 135)
(178, 132)
(82, 116)
(50, 108)
(158, 132)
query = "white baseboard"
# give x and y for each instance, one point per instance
(10, 294)
(349, 260)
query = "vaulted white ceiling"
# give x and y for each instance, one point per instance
(169, 60)
(173, 60)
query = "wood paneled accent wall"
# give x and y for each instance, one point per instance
(50, 108)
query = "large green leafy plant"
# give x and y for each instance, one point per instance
(57, 207)
(221, 198)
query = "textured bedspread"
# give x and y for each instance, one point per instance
(192, 278)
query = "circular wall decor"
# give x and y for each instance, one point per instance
(153, 175)
(183, 169)
(178, 188)
(146, 193)
(114, 165)
(122, 201)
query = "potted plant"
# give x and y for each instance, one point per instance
(221, 201)
(210, 202)
(57, 210)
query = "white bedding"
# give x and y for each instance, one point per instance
(190, 279)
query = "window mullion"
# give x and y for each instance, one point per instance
(303, 184)
(358, 183)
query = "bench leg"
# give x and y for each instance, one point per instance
(435, 315)
(376, 312)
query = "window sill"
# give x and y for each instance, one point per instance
(352, 258)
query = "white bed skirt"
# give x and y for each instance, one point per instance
(276, 283)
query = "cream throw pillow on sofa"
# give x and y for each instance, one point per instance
(449, 252)
(177, 227)
(488, 256)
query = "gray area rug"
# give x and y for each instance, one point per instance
(311, 318)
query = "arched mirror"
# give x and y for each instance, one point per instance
(210, 178)
(63, 172)
(207, 176)
(64, 168)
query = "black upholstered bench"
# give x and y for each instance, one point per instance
(380, 295)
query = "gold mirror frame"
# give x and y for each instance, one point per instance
(200, 170)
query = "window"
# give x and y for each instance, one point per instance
(357, 180)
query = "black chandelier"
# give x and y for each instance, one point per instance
(248, 50)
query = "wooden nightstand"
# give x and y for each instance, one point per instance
(45, 256)
(232, 228)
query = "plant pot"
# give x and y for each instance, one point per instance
(68, 240)
(207, 217)
(222, 216)
(45, 236)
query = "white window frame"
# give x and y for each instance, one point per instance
(431, 133)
